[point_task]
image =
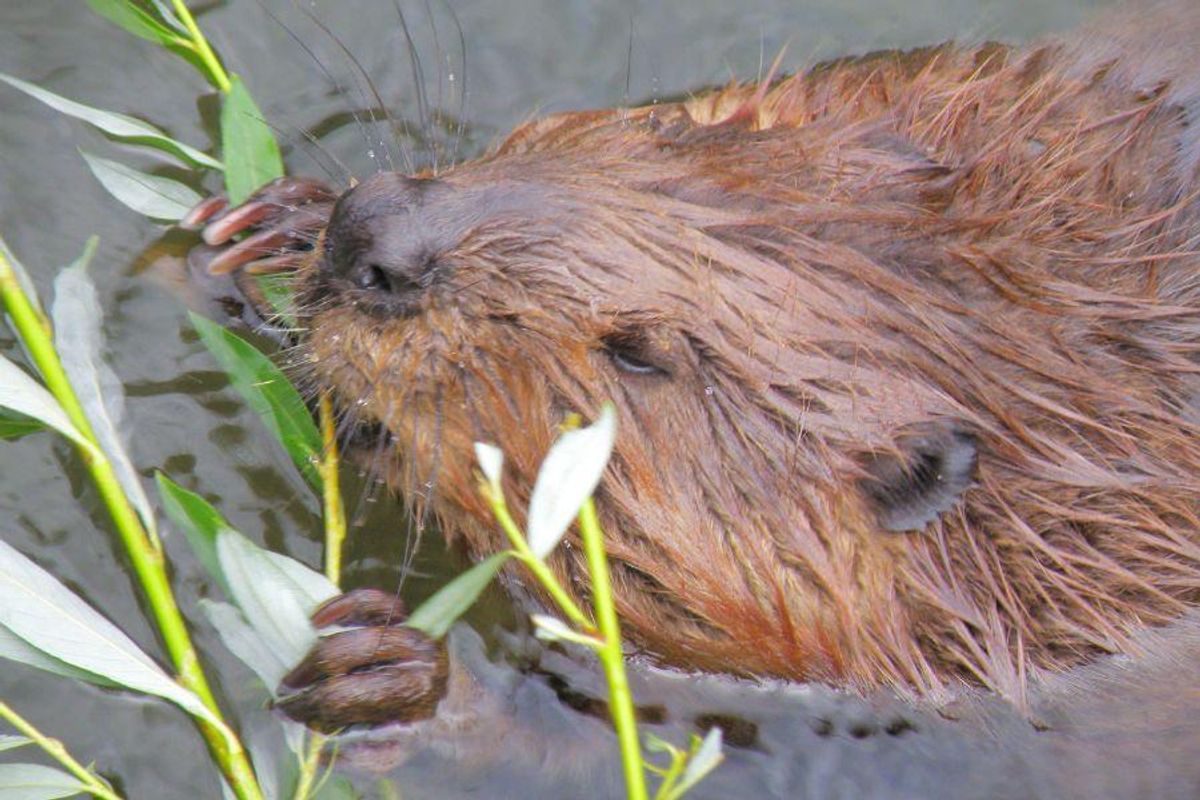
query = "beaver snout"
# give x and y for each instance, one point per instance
(385, 237)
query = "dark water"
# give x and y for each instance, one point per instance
(522, 57)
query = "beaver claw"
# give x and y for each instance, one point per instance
(283, 220)
(376, 671)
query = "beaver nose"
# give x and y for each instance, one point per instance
(383, 236)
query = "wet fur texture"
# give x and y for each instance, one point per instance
(983, 242)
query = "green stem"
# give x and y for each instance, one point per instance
(620, 699)
(334, 512)
(145, 553)
(666, 789)
(95, 785)
(535, 565)
(335, 535)
(308, 768)
(203, 51)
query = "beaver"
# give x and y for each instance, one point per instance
(903, 351)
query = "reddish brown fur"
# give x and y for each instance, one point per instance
(1001, 237)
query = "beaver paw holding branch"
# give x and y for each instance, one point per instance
(903, 348)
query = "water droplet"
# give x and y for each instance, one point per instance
(371, 154)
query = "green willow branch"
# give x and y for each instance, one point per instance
(608, 650)
(620, 699)
(144, 552)
(331, 495)
(200, 46)
(334, 514)
(310, 765)
(534, 564)
(94, 784)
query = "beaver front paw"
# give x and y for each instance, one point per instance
(282, 219)
(373, 672)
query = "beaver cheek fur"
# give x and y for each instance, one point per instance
(705, 491)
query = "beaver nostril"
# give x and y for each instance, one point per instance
(377, 278)
(372, 277)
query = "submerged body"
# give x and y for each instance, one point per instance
(904, 353)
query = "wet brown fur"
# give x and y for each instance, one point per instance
(1004, 238)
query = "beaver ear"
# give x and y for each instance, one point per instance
(926, 472)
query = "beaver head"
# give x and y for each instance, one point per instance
(901, 351)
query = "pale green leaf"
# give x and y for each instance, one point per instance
(15, 648)
(491, 464)
(37, 608)
(23, 394)
(36, 782)
(568, 476)
(244, 642)
(150, 195)
(78, 338)
(114, 124)
(553, 629)
(703, 761)
(265, 588)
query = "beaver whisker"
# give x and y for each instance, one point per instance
(347, 173)
(415, 502)
(461, 125)
(366, 78)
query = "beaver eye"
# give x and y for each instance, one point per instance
(628, 354)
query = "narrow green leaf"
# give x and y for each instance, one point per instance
(311, 588)
(703, 760)
(201, 523)
(21, 393)
(135, 20)
(78, 338)
(247, 145)
(36, 782)
(14, 648)
(14, 426)
(438, 613)
(150, 195)
(568, 476)
(274, 594)
(491, 464)
(244, 642)
(114, 124)
(12, 741)
(277, 605)
(657, 744)
(268, 392)
(553, 629)
(43, 612)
